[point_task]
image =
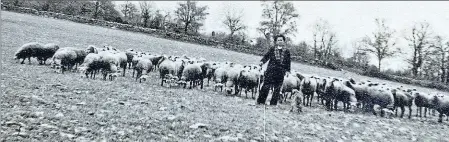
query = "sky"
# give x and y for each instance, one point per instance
(351, 20)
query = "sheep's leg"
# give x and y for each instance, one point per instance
(311, 99)
(395, 110)
(23, 61)
(29, 60)
(409, 112)
(402, 111)
(304, 100)
(440, 118)
(124, 70)
(425, 111)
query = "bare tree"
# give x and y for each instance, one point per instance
(418, 41)
(145, 8)
(191, 15)
(440, 52)
(381, 43)
(360, 56)
(128, 9)
(233, 21)
(279, 18)
(323, 39)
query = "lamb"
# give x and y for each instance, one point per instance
(210, 71)
(192, 73)
(143, 67)
(297, 102)
(441, 104)
(402, 100)
(64, 58)
(290, 82)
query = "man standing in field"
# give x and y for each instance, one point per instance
(278, 66)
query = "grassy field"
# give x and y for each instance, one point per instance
(38, 104)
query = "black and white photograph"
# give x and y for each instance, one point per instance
(224, 71)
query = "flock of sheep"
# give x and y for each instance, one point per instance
(234, 77)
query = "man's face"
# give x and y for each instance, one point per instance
(280, 41)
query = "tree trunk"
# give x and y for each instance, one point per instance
(185, 27)
(380, 63)
(97, 4)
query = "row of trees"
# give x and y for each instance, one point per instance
(429, 59)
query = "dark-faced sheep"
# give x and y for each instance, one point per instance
(35, 49)
(308, 87)
(248, 80)
(422, 100)
(441, 104)
(46, 52)
(402, 99)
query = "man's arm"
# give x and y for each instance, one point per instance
(287, 61)
(266, 56)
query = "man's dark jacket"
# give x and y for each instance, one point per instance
(278, 65)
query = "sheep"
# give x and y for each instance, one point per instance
(249, 80)
(232, 76)
(166, 66)
(346, 94)
(220, 77)
(154, 59)
(143, 67)
(35, 49)
(117, 58)
(64, 58)
(26, 51)
(192, 73)
(441, 104)
(402, 99)
(308, 87)
(297, 102)
(422, 100)
(130, 55)
(92, 49)
(380, 96)
(361, 92)
(290, 82)
(210, 71)
(88, 60)
(104, 65)
(46, 52)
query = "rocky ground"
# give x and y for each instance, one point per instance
(38, 104)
